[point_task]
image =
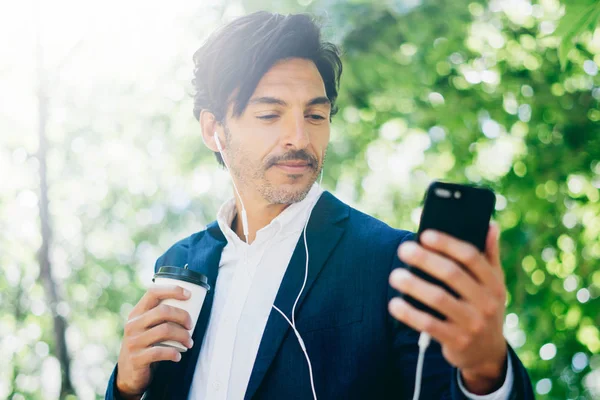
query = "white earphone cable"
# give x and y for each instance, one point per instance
(303, 347)
(305, 274)
(244, 215)
(246, 234)
(321, 178)
(424, 340)
(293, 321)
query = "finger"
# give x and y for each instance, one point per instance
(421, 321)
(492, 245)
(155, 294)
(453, 275)
(431, 295)
(162, 313)
(442, 268)
(163, 332)
(146, 357)
(465, 253)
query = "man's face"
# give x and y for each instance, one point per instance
(277, 146)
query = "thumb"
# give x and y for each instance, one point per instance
(492, 245)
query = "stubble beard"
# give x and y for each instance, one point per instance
(253, 177)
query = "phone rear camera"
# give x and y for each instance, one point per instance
(443, 193)
(457, 195)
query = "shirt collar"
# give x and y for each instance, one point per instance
(291, 220)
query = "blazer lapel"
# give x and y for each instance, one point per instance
(204, 256)
(322, 235)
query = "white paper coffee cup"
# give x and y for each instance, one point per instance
(193, 281)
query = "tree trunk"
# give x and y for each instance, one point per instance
(19, 317)
(50, 290)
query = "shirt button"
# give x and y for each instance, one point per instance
(217, 385)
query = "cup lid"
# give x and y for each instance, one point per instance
(182, 274)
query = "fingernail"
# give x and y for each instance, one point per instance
(398, 274)
(430, 236)
(396, 303)
(191, 343)
(186, 293)
(178, 358)
(408, 248)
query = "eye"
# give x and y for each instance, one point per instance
(268, 117)
(316, 117)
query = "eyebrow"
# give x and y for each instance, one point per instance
(274, 100)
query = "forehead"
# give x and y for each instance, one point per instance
(294, 76)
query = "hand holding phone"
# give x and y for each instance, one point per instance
(454, 288)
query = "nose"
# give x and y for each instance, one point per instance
(295, 133)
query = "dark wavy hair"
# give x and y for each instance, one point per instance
(236, 56)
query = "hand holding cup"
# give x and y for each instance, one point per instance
(149, 323)
(159, 327)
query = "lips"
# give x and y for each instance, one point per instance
(294, 167)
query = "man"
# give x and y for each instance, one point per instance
(266, 87)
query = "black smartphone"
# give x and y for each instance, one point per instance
(462, 211)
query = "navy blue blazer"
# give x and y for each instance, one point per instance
(357, 349)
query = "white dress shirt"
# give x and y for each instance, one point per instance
(247, 284)
(248, 280)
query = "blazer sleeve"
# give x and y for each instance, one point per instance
(111, 391)
(176, 255)
(439, 379)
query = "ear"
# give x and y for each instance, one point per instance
(210, 125)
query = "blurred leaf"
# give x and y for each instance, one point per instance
(579, 16)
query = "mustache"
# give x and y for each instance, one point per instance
(295, 155)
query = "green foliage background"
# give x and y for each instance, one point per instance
(460, 90)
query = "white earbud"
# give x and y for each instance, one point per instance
(244, 215)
